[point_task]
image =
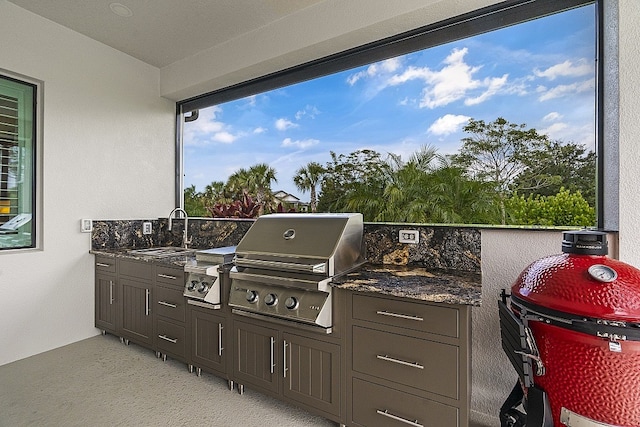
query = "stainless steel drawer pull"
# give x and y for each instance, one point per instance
(166, 338)
(166, 276)
(167, 304)
(401, 362)
(110, 291)
(272, 361)
(101, 264)
(397, 418)
(220, 328)
(284, 358)
(146, 302)
(401, 316)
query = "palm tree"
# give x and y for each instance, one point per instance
(260, 177)
(307, 179)
(238, 183)
(215, 193)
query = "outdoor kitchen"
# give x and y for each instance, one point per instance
(308, 278)
(115, 313)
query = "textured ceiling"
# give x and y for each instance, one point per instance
(161, 32)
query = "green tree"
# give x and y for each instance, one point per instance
(307, 178)
(193, 202)
(426, 188)
(239, 183)
(255, 182)
(360, 172)
(562, 209)
(567, 165)
(499, 152)
(261, 177)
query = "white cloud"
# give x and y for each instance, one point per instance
(452, 82)
(447, 124)
(494, 85)
(224, 137)
(566, 69)
(552, 117)
(572, 132)
(390, 65)
(555, 130)
(259, 130)
(207, 129)
(383, 67)
(301, 144)
(309, 111)
(563, 90)
(284, 124)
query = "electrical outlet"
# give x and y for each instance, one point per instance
(86, 225)
(409, 236)
(146, 228)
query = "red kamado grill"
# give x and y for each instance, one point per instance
(571, 329)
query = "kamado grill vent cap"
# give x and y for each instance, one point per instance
(585, 242)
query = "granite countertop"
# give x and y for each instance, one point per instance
(443, 286)
(447, 286)
(179, 260)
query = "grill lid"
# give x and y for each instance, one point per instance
(328, 244)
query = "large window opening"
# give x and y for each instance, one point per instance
(489, 118)
(17, 163)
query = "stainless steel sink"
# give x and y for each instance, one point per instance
(164, 251)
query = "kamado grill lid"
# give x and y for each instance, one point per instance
(582, 281)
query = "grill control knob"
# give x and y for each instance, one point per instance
(192, 285)
(204, 287)
(252, 296)
(291, 303)
(271, 299)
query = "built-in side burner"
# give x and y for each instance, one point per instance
(202, 285)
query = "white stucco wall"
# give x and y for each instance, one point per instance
(107, 153)
(629, 61)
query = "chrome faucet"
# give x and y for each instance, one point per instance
(185, 240)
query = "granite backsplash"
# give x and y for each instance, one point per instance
(439, 247)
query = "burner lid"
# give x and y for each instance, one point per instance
(220, 256)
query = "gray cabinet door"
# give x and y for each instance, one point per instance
(137, 321)
(311, 372)
(209, 346)
(256, 356)
(106, 298)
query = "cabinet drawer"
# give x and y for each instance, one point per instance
(170, 276)
(374, 405)
(170, 303)
(141, 270)
(410, 315)
(105, 265)
(171, 338)
(423, 364)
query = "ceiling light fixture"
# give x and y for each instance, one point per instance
(120, 10)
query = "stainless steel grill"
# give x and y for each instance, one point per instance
(285, 262)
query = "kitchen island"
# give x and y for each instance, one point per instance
(401, 346)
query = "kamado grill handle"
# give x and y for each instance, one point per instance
(607, 329)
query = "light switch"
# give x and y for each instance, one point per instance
(86, 225)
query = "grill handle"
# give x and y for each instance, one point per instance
(320, 268)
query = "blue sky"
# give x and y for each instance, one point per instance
(541, 73)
